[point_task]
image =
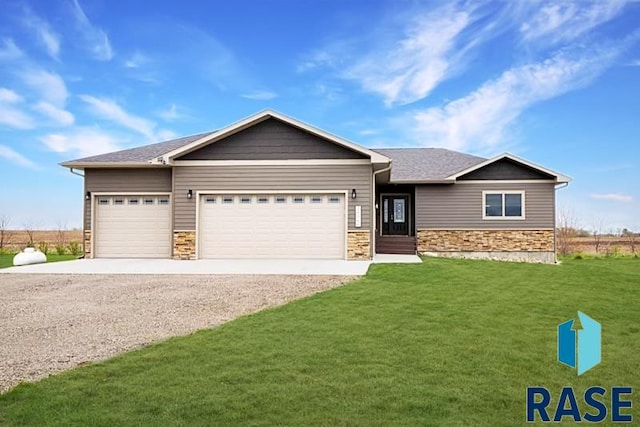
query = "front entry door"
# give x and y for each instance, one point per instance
(395, 215)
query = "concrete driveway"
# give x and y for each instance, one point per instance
(49, 323)
(168, 266)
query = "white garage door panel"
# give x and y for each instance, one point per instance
(132, 231)
(272, 230)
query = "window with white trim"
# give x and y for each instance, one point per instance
(149, 201)
(227, 200)
(103, 201)
(118, 201)
(245, 199)
(503, 204)
(133, 201)
(281, 199)
(263, 200)
(316, 199)
(334, 199)
(298, 199)
(163, 201)
(210, 199)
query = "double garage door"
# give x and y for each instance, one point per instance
(130, 226)
(272, 226)
(306, 225)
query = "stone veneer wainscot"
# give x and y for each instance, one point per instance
(359, 245)
(184, 245)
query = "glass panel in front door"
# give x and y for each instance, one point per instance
(398, 210)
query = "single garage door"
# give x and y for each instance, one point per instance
(272, 226)
(132, 226)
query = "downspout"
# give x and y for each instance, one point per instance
(75, 173)
(374, 216)
(555, 226)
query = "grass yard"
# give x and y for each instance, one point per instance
(448, 342)
(6, 260)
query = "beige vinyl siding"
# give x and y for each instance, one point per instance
(272, 140)
(122, 181)
(459, 206)
(270, 178)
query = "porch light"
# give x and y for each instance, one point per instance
(87, 195)
(189, 194)
(354, 194)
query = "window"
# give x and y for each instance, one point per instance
(210, 199)
(103, 201)
(163, 201)
(118, 201)
(281, 199)
(316, 199)
(149, 201)
(133, 201)
(334, 199)
(503, 205)
(227, 200)
(263, 200)
(245, 199)
(298, 199)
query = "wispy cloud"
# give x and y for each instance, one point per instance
(635, 63)
(50, 86)
(260, 95)
(561, 21)
(96, 38)
(172, 113)
(58, 115)
(9, 50)
(109, 110)
(614, 197)
(13, 156)
(136, 60)
(49, 38)
(82, 142)
(10, 114)
(478, 121)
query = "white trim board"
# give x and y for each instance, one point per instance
(301, 162)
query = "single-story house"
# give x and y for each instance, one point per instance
(270, 186)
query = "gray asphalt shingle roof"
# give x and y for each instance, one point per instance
(425, 164)
(140, 154)
(409, 164)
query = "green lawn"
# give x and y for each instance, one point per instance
(6, 260)
(448, 342)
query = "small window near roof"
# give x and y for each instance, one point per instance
(334, 199)
(316, 199)
(118, 201)
(245, 200)
(103, 201)
(210, 199)
(227, 200)
(149, 201)
(298, 199)
(263, 200)
(163, 201)
(134, 201)
(503, 205)
(281, 199)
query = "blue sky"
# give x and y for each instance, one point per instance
(555, 82)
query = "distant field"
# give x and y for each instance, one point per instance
(19, 238)
(607, 245)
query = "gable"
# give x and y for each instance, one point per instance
(272, 139)
(505, 169)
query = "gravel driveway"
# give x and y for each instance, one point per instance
(49, 323)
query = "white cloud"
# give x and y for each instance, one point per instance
(635, 63)
(565, 21)
(15, 118)
(9, 50)
(49, 38)
(50, 85)
(9, 96)
(614, 197)
(260, 95)
(109, 110)
(136, 60)
(58, 115)
(96, 38)
(82, 142)
(13, 156)
(480, 119)
(171, 113)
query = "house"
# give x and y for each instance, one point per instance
(270, 186)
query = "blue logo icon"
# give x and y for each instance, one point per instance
(581, 350)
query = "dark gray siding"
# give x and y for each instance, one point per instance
(271, 140)
(459, 206)
(267, 178)
(505, 169)
(124, 180)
